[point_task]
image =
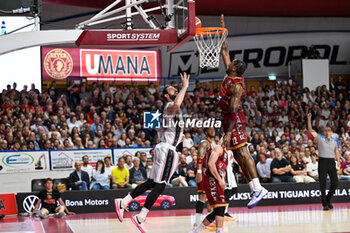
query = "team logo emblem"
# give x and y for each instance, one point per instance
(58, 64)
(151, 120)
(29, 203)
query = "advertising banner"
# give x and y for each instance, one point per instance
(119, 152)
(101, 64)
(265, 53)
(65, 159)
(24, 161)
(8, 204)
(185, 198)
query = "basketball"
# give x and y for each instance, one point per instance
(198, 23)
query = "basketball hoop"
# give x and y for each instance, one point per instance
(209, 42)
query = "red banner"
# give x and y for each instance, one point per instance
(8, 204)
(100, 64)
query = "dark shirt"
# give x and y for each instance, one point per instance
(279, 164)
(137, 175)
(298, 167)
(49, 199)
(74, 177)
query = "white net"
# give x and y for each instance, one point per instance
(209, 44)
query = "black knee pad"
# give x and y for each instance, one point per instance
(219, 211)
(211, 217)
(199, 207)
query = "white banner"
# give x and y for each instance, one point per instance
(24, 161)
(65, 159)
(119, 152)
(265, 54)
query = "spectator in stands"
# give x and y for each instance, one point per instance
(198, 137)
(48, 199)
(128, 162)
(179, 177)
(120, 175)
(149, 165)
(120, 130)
(99, 179)
(96, 123)
(138, 174)
(298, 171)
(280, 169)
(108, 164)
(190, 174)
(312, 168)
(143, 159)
(264, 168)
(345, 167)
(79, 179)
(86, 166)
(187, 142)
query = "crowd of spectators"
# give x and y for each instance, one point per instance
(111, 116)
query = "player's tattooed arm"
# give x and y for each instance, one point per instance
(237, 92)
(225, 53)
(202, 150)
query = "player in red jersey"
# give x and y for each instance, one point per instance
(214, 169)
(234, 123)
(204, 147)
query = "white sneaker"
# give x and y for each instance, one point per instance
(119, 208)
(256, 197)
(42, 215)
(59, 215)
(137, 220)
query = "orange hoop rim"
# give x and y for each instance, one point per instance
(210, 31)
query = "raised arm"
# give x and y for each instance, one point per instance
(180, 97)
(202, 150)
(309, 126)
(225, 53)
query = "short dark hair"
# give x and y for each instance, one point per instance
(240, 67)
(48, 179)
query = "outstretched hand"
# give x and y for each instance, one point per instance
(222, 21)
(309, 115)
(185, 79)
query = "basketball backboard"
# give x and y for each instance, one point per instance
(166, 27)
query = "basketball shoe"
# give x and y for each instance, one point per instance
(256, 197)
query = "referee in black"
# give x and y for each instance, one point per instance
(328, 149)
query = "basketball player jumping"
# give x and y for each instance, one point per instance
(165, 160)
(234, 123)
(213, 168)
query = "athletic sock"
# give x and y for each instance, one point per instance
(219, 230)
(143, 213)
(126, 200)
(256, 184)
(200, 228)
(198, 218)
(251, 185)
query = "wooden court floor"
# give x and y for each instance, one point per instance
(296, 218)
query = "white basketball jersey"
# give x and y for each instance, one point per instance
(171, 132)
(231, 179)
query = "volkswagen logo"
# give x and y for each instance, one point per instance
(29, 203)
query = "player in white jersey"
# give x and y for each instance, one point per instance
(231, 183)
(165, 160)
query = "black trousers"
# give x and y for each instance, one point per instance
(327, 166)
